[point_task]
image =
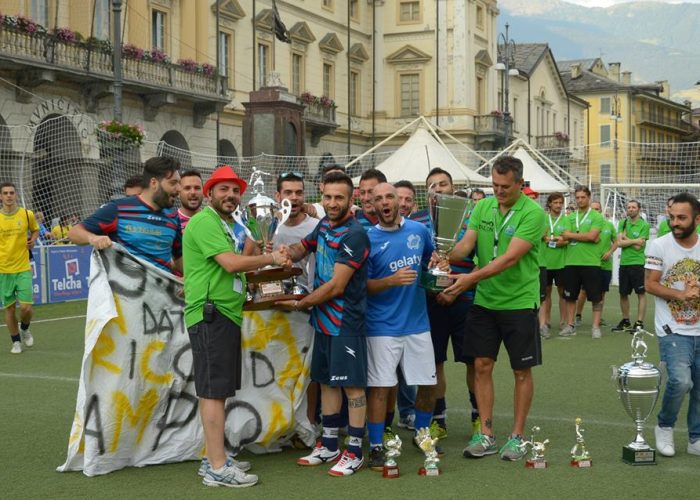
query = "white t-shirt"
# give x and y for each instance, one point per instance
(289, 235)
(320, 211)
(678, 266)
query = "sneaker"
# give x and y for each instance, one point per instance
(544, 331)
(623, 326)
(437, 431)
(513, 450)
(319, 455)
(577, 321)
(479, 446)
(388, 435)
(27, 338)
(664, 441)
(229, 476)
(16, 347)
(694, 447)
(408, 422)
(376, 459)
(637, 324)
(567, 331)
(239, 464)
(347, 465)
(595, 333)
(603, 322)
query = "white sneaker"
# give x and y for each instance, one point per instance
(664, 441)
(595, 333)
(27, 337)
(239, 464)
(319, 455)
(544, 331)
(407, 422)
(694, 448)
(16, 347)
(347, 465)
(577, 321)
(567, 331)
(229, 476)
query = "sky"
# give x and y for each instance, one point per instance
(608, 3)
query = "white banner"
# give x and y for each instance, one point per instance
(136, 402)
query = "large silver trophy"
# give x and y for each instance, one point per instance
(638, 384)
(261, 220)
(447, 215)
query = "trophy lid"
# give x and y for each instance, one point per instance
(261, 200)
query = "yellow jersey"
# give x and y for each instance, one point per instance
(60, 233)
(14, 232)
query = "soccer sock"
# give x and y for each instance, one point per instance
(439, 412)
(15, 338)
(422, 419)
(329, 438)
(389, 419)
(24, 326)
(376, 434)
(475, 407)
(355, 442)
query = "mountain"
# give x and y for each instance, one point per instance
(653, 40)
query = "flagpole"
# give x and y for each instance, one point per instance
(218, 79)
(254, 45)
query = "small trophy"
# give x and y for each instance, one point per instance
(537, 460)
(427, 443)
(580, 456)
(393, 450)
(638, 383)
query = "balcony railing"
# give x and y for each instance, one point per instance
(664, 121)
(317, 112)
(490, 124)
(551, 142)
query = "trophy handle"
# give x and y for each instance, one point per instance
(285, 211)
(238, 216)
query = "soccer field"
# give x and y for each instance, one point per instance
(37, 402)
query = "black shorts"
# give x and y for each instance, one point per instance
(555, 276)
(447, 322)
(216, 357)
(631, 278)
(605, 279)
(339, 361)
(517, 329)
(586, 277)
(543, 283)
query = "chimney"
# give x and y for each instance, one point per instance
(614, 71)
(575, 71)
(665, 89)
(627, 77)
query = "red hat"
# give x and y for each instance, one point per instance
(224, 173)
(528, 191)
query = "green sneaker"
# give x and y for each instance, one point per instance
(479, 446)
(437, 431)
(513, 449)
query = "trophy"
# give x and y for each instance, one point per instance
(447, 215)
(427, 444)
(580, 457)
(393, 450)
(261, 220)
(638, 384)
(537, 460)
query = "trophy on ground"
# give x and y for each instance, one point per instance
(393, 450)
(426, 442)
(261, 219)
(537, 460)
(580, 456)
(447, 215)
(638, 383)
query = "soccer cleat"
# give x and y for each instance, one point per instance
(578, 321)
(408, 422)
(319, 455)
(16, 347)
(694, 447)
(479, 446)
(544, 331)
(595, 333)
(376, 459)
(437, 431)
(513, 449)
(567, 331)
(664, 441)
(239, 464)
(623, 326)
(347, 465)
(229, 476)
(27, 338)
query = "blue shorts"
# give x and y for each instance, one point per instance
(339, 361)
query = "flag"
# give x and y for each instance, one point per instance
(280, 29)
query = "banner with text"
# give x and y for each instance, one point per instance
(68, 272)
(136, 402)
(38, 264)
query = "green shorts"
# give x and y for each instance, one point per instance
(16, 286)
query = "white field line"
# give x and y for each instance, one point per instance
(34, 376)
(52, 319)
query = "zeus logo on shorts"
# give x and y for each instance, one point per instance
(405, 262)
(335, 378)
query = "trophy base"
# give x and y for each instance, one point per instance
(269, 302)
(435, 283)
(536, 464)
(271, 274)
(390, 472)
(582, 463)
(638, 457)
(429, 472)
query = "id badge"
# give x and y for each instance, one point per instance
(237, 285)
(552, 244)
(573, 243)
(495, 251)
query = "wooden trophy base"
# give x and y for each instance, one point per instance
(271, 274)
(638, 457)
(390, 472)
(270, 288)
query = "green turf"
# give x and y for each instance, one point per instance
(36, 413)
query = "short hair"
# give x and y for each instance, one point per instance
(328, 167)
(289, 177)
(405, 184)
(193, 172)
(507, 163)
(478, 190)
(8, 184)
(340, 178)
(639, 205)
(134, 181)
(160, 167)
(438, 170)
(581, 188)
(690, 199)
(553, 197)
(373, 173)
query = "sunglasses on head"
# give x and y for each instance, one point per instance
(284, 175)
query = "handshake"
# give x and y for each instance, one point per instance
(282, 257)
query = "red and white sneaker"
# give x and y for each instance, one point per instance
(320, 455)
(347, 465)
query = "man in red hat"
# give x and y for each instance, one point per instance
(215, 290)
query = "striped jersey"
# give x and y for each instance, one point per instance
(346, 243)
(366, 220)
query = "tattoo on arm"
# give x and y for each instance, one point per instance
(357, 402)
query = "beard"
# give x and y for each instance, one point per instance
(685, 232)
(342, 213)
(192, 205)
(163, 199)
(388, 219)
(218, 205)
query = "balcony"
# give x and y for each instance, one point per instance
(661, 120)
(557, 141)
(40, 57)
(319, 120)
(490, 130)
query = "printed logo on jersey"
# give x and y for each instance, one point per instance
(413, 242)
(350, 351)
(383, 247)
(509, 231)
(347, 249)
(405, 262)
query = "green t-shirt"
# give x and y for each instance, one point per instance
(584, 253)
(556, 256)
(664, 228)
(519, 286)
(630, 256)
(205, 238)
(607, 236)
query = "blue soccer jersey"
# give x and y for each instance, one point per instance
(348, 244)
(152, 235)
(398, 310)
(366, 220)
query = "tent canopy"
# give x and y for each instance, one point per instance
(539, 179)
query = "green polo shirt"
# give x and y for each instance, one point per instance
(555, 257)
(664, 228)
(607, 236)
(584, 253)
(517, 287)
(630, 256)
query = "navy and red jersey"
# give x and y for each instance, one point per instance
(348, 244)
(366, 220)
(152, 235)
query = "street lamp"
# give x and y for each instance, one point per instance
(506, 61)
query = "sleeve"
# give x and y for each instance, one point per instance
(311, 240)
(103, 221)
(619, 225)
(598, 222)
(177, 242)
(476, 217)
(530, 228)
(429, 247)
(210, 236)
(31, 221)
(354, 249)
(613, 232)
(645, 231)
(654, 256)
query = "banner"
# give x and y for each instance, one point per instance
(68, 272)
(136, 402)
(38, 264)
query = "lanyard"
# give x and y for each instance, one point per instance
(552, 225)
(227, 230)
(497, 233)
(578, 224)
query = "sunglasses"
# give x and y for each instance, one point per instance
(284, 175)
